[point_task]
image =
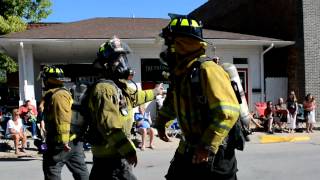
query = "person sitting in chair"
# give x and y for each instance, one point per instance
(281, 114)
(15, 131)
(268, 115)
(28, 113)
(143, 121)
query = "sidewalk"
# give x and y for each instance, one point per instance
(262, 137)
(32, 151)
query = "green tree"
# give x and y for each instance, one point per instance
(14, 16)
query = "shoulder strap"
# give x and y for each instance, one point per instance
(110, 82)
(121, 99)
(195, 69)
(196, 88)
(84, 100)
(196, 80)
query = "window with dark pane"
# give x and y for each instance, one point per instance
(240, 60)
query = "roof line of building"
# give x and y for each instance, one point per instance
(156, 40)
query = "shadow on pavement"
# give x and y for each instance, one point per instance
(19, 158)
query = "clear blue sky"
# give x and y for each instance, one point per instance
(74, 10)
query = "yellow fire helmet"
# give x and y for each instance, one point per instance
(183, 25)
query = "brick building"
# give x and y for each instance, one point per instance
(291, 20)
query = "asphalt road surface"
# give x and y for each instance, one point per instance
(275, 161)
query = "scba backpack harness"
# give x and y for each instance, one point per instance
(238, 134)
(81, 117)
(87, 130)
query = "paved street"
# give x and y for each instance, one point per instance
(276, 161)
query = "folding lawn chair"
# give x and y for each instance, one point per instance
(172, 128)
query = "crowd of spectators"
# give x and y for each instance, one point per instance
(285, 116)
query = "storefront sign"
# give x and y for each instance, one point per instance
(152, 69)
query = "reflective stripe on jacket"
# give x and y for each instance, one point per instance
(223, 107)
(58, 115)
(112, 127)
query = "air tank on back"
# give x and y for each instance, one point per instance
(234, 76)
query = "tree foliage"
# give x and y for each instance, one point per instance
(29, 10)
(14, 16)
(9, 64)
(11, 24)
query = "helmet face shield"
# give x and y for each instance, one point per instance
(113, 60)
(119, 67)
(120, 64)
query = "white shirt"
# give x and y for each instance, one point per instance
(159, 100)
(11, 125)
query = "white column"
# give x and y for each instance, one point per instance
(26, 73)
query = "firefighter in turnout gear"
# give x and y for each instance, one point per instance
(63, 147)
(207, 112)
(110, 104)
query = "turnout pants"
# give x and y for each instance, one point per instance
(111, 169)
(222, 166)
(55, 158)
